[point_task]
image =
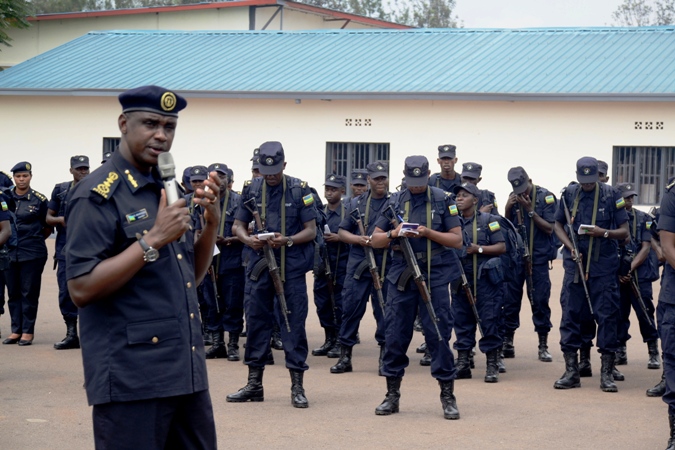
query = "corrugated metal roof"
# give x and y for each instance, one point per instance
(563, 63)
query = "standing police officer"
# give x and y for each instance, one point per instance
(599, 218)
(5, 184)
(447, 178)
(487, 202)
(359, 184)
(438, 231)
(532, 208)
(359, 281)
(286, 208)
(79, 168)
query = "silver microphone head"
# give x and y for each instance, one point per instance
(166, 166)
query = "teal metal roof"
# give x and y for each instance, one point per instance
(558, 63)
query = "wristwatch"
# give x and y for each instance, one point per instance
(606, 235)
(480, 249)
(149, 254)
(289, 242)
(530, 214)
(389, 236)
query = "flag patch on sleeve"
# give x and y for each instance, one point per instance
(4, 206)
(494, 226)
(549, 199)
(453, 210)
(620, 203)
(308, 199)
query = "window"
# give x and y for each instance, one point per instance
(648, 168)
(343, 157)
(110, 144)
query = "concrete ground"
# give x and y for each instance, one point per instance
(43, 404)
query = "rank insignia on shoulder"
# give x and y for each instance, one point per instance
(494, 226)
(453, 210)
(238, 192)
(308, 199)
(648, 225)
(247, 182)
(495, 203)
(4, 206)
(549, 199)
(620, 203)
(303, 184)
(103, 189)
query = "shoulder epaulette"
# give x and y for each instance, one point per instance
(670, 185)
(106, 188)
(303, 184)
(39, 195)
(237, 192)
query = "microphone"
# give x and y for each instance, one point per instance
(167, 170)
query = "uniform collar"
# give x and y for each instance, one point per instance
(133, 178)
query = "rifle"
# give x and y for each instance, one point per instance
(526, 256)
(472, 300)
(576, 257)
(370, 257)
(411, 261)
(626, 261)
(214, 286)
(275, 274)
(330, 279)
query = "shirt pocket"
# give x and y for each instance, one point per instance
(152, 333)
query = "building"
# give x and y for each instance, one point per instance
(540, 98)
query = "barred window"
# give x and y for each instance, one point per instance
(344, 157)
(110, 144)
(648, 168)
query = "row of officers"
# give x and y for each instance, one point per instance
(435, 253)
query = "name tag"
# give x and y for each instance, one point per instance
(138, 215)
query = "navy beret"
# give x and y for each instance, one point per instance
(153, 99)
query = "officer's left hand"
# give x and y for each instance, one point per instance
(422, 231)
(624, 279)
(472, 249)
(524, 201)
(331, 237)
(597, 232)
(208, 199)
(278, 241)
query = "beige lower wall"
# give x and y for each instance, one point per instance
(544, 137)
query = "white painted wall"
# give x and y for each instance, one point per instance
(544, 137)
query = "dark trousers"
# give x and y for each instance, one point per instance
(400, 314)
(180, 422)
(541, 313)
(2, 291)
(489, 299)
(628, 300)
(665, 315)
(575, 329)
(355, 296)
(261, 307)
(24, 280)
(66, 305)
(226, 313)
(329, 317)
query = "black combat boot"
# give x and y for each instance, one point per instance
(616, 375)
(462, 364)
(253, 391)
(276, 338)
(544, 355)
(335, 351)
(344, 364)
(671, 440)
(659, 389)
(417, 326)
(607, 364)
(621, 356)
(509, 349)
(492, 369)
(380, 361)
(218, 349)
(501, 365)
(426, 359)
(654, 360)
(298, 399)
(233, 347)
(570, 378)
(472, 353)
(327, 344)
(270, 358)
(390, 403)
(585, 369)
(208, 336)
(422, 348)
(448, 399)
(71, 340)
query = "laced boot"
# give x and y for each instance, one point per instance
(298, 399)
(472, 353)
(585, 369)
(233, 347)
(544, 355)
(462, 364)
(218, 349)
(335, 351)
(71, 340)
(208, 337)
(417, 326)
(621, 356)
(659, 389)
(253, 391)
(509, 349)
(616, 375)
(276, 339)
(390, 403)
(491, 369)
(671, 440)
(344, 364)
(501, 365)
(327, 345)
(422, 348)
(606, 382)
(570, 378)
(426, 359)
(448, 400)
(654, 360)
(380, 361)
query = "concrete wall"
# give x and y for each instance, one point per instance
(45, 35)
(545, 138)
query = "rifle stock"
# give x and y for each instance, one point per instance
(370, 257)
(472, 300)
(527, 258)
(330, 280)
(272, 266)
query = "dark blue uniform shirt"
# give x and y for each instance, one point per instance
(145, 340)
(58, 203)
(436, 180)
(4, 208)
(667, 223)
(544, 206)
(230, 255)
(333, 220)
(31, 215)
(372, 208)
(610, 215)
(488, 232)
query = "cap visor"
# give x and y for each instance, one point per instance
(80, 165)
(583, 179)
(378, 174)
(629, 194)
(416, 181)
(333, 184)
(520, 189)
(271, 170)
(197, 178)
